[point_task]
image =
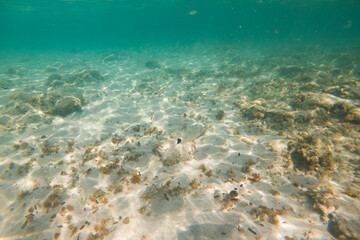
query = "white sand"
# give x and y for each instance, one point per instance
(130, 123)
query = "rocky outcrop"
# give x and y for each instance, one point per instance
(76, 79)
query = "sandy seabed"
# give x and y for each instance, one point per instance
(89, 144)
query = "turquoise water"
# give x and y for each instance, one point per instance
(105, 24)
(186, 120)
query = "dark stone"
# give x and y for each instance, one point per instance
(11, 71)
(65, 106)
(86, 76)
(152, 64)
(342, 228)
(220, 115)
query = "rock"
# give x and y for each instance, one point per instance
(305, 79)
(58, 103)
(16, 71)
(85, 76)
(152, 64)
(341, 228)
(175, 154)
(254, 112)
(310, 86)
(65, 106)
(61, 103)
(110, 58)
(309, 153)
(323, 100)
(55, 80)
(76, 79)
(11, 71)
(31, 118)
(54, 76)
(345, 62)
(220, 115)
(305, 157)
(353, 115)
(321, 106)
(51, 69)
(290, 71)
(58, 84)
(302, 117)
(18, 108)
(52, 201)
(6, 83)
(279, 120)
(345, 110)
(336, 71)
(354, 91)
(4, 120)
(48, 149)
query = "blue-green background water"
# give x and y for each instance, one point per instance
(81, 24)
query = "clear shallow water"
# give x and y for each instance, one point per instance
(94, 97)
(104, 24)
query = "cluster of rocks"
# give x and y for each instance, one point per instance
(299, 98)
(316, 110)
(63, 98)
(77, 79)
(27, 108)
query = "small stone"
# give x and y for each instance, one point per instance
(126, 220)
